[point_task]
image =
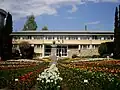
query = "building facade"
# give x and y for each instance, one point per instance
(82, 43)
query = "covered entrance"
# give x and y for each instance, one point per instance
(61, 50)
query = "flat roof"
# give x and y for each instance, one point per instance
(62, 33)
(65, 31)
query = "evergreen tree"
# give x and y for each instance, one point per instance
(45, 28)
(30, 24)
(119, 17)
(116, 36)
(7, 38)
(9, 24)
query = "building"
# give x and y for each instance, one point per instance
(82, 43)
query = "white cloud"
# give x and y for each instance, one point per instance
(91, 23)
(23, 8)
(74, 9)
(70, 18)
(115, 1)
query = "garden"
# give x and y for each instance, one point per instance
(20, 75)
(90, 75)
(40, 75)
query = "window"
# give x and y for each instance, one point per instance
(73, 46)
(47, 50)
(37, 45)
(84, 46)
(95, 46)
(59, 37)
(94, 37)
(16, 37)
(49, 37)
(38, 37)
(29, 37)
(15, 46)
(61, 50)
(73, 38)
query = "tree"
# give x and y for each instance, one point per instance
(9, 24)
(45, 28)
(105, 48)
(119, 17)
(26, 50)
(30, 24)
(102, 49)
(7, 38)
(116, 52)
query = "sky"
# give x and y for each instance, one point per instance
(63, 15)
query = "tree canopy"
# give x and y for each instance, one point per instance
(26, 50)
(30, 23)
(45, 28)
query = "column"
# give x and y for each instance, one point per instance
(21, 38)
(79, 47)
(78, 38)
(32, 37)
(90, 46)
(43, 50)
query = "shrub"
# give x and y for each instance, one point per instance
(3, 82)
(95, 56)
(15, 53)
(105, 48)
(26, 50)
(74, 56)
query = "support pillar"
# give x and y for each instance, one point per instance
(79, 47)
(43, 50)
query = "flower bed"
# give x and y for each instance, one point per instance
(49, 79)
(24, 77)
(16, 65)
(108, 66)
(77, 79)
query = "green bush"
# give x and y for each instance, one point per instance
(95, 56)
(15, 53)
(106, 48)
(3, 82)
(26, 50)
(74, 56)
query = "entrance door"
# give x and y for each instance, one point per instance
(61, 51)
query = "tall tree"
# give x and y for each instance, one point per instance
(7, 38)
(8, 24)
(116, 36)
(119, 17)
(45, 28)
(30, 24)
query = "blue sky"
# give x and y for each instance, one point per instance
(66, 14)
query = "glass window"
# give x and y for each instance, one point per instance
(47, 50)
(84, 46)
